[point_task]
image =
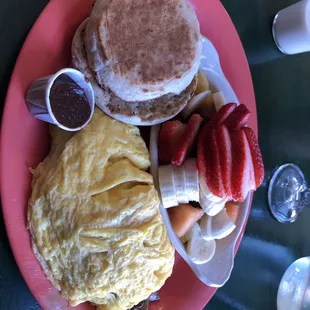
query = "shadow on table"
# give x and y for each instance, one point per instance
(14, 293)
(255, 30)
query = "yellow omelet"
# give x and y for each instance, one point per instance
(94, 217)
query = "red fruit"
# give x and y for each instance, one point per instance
(201, 151)
(185, 144)
(222, 114)
(224, 146)
(238, 118)
(169, 136)
(256, 156)
(242, 178)
(208, 161)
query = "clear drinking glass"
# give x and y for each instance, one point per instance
(288, 193)
(294, 288)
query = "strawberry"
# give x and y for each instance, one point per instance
(201, 152)
(238, 118)
(223, 113)
(224, 146)
(208, 161)
(242, 178)
(184, 146)
(169, 136)
(256, 156)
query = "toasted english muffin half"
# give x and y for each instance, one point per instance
(140, 113)
(142, 50)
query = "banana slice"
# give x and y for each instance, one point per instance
(219, 100)
(167, 186)
(210, 203)
(199, 250)
(180, 184)
(204, 190)
(192, 182)
(216, 227)
(202, 104)
(195, 230)
(212, 207)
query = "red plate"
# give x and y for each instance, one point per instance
(25, 140)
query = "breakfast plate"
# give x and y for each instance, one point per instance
(25, 141)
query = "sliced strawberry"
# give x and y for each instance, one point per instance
(242, 178)
(184, 146)
(238, 118)
(201, 151)
(223, 113)
(169, 136)
(224, 146)
(256, 156)
(208, 161)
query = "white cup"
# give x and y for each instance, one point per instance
(291, 28)
(38, 97)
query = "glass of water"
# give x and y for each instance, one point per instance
(294, 288)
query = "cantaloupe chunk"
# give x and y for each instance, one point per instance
(232, 210)
(183, 218)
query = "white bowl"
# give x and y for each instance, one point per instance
(217, 271)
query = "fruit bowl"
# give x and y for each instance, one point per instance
(217, 271)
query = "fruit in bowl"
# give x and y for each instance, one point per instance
(208, 162)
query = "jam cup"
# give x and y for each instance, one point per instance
(38, 97)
